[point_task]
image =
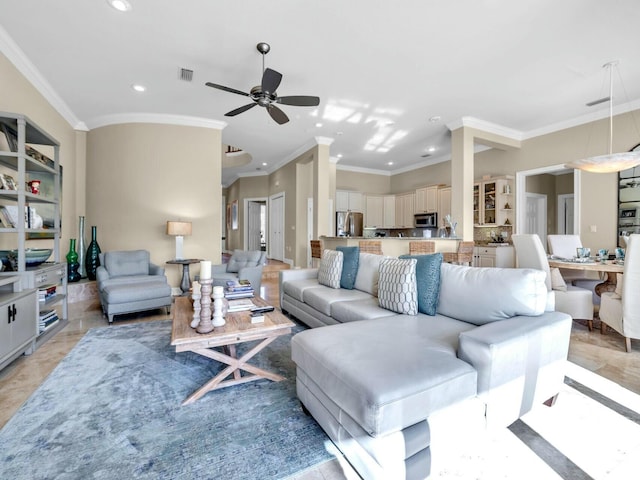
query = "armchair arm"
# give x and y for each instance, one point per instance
(253, 274)
(101, 276)
(155, 269)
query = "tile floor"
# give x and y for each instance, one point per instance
(602, 354)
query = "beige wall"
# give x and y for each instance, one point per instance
(19, 96)
(139, 176)
(438, 174)
(362, 182)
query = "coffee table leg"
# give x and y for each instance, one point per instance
(235, 365)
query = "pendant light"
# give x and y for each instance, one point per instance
(612, 162)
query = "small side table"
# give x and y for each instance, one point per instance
(185, 284)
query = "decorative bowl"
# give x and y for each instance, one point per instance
(33, 256)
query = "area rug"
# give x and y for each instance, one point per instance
(112, 410)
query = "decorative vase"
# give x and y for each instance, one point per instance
(72, 262)
(81, 248)
(92, 260)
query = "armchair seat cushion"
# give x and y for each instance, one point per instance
(125, 293)
(130, 280)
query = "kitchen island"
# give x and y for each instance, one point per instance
(392, 246)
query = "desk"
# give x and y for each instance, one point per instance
(185, 285)
(609, 267)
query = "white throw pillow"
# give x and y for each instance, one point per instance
(397, 288)
(557, 282)
(368, 273)
(330, 269)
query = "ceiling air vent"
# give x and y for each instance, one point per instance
(425, 155)
(186, 74)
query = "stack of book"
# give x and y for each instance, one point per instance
(238, 289)
(46, 319)
(46, 292)
(240, 305)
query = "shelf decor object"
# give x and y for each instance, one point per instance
(92, 260)
(179, 230)
(82, 270)
(611, 162)
(72, 262)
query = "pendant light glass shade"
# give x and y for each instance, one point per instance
(612, 162)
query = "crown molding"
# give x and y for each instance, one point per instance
(324, 141)
(18, 58)
(182, 120)
(348, 168)
(485, 126)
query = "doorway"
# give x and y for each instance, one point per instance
(565, 214)
(536, 216)
(255, 229)
(276, 227)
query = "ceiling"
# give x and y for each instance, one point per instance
(382, 69)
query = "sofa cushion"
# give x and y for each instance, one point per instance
(330, 269)
(350, 257)
(130, 262)
(296, 288)
(385, 389)
(244, 258)
(364, 309)
(481, 295)
(427, 281)
(322, 298)
(368, 273)
(397, 290)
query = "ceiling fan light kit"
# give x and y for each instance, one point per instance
(611, 162)
(265, 94)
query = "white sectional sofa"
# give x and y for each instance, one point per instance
(372, 377)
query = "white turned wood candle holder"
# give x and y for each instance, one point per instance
(218, 300)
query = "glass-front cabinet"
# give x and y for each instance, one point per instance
(492, 202)
(628, 202)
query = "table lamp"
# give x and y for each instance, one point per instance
(179, 230)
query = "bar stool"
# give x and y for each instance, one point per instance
(464, 255)
(422, 247)
(370, 246)
(316, 249)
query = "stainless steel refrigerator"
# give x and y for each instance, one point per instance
(349, 224)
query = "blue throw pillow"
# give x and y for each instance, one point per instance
(351, 256)
(428, 281)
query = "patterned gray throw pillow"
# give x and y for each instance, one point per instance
(397, 289)
(330, 269)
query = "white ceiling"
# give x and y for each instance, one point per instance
(382, 69)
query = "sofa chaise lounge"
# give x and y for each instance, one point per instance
(372, 377)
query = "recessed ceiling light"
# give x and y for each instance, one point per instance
(435, 118)
(389, 163)
(339, 133)
(432, 149)
(339, 155)
(139, 88)
(264, 164)
(318, 124)
(120, 5)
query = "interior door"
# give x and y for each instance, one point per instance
(565, 214)
(253, 226)
(276, 227)
(536, 216)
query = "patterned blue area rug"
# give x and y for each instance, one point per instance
(112, 410)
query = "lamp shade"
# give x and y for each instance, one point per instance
(178, 228)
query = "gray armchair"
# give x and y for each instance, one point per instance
(128, 282)
(243, 265)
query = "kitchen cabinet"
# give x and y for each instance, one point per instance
(374, 211)
(389, 211)
(347, 200)
(502, 256)
(426, 200)
(405, 210)
(444, 203)
(493, 202)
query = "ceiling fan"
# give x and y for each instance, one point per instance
(265, 94)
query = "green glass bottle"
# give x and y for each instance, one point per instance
(72, 262)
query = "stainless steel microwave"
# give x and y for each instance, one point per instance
(426, 220)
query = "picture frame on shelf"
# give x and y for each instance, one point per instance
(8, 182)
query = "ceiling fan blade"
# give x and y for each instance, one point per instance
(226, 89)
(299, 101)
(278, 115)
(239, 110)
(270, 80)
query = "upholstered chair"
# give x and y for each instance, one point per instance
(242, 265)
(128, 282)
(574, 301)
(564, 246)
(620, 310)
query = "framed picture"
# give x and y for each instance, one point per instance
(234, 215)
(46, 211)
(8, 183)
(228, 216)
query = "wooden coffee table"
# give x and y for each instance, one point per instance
(238, 329)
